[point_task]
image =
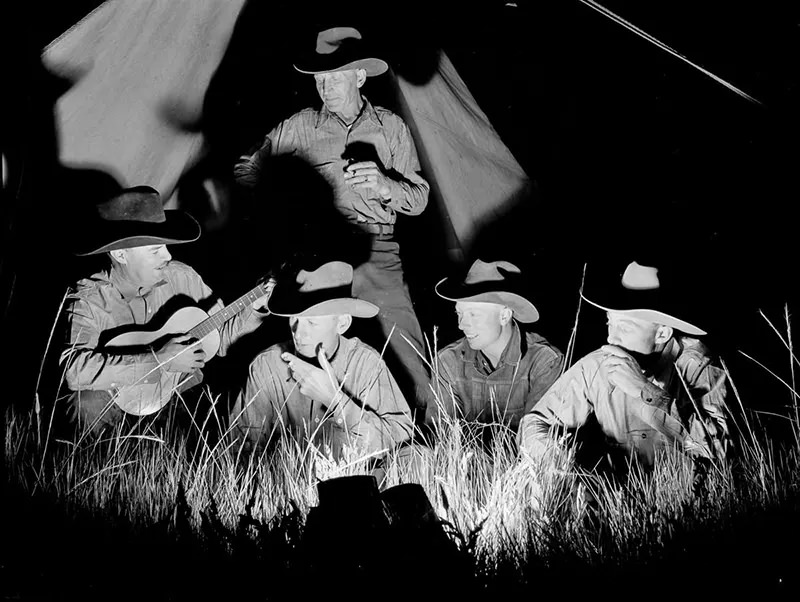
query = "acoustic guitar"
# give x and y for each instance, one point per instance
(156, 389)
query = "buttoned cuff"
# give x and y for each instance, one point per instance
(396, 192)
(344, 411)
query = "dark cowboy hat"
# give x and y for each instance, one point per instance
(135, 217)
(495, 282)
(641, 294)
(323, 292)
(339, 49)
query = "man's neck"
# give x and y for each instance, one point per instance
(350, 113)
(494, 351)
(123, 280)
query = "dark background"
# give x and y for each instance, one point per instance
(635, 155)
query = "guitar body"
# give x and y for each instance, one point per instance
(157, 388)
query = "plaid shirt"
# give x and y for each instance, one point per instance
(468, 387)
(323, 140)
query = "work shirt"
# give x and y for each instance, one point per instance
(322, 139)
(682, 405)
(105, 302)
(374, 415)
(467, 386)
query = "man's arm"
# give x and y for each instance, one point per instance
(372, 409)
(86, 367)
(706, 385)
(544, 372)
(566, 404)
(408, 190)
(253, 416)
(443, 399)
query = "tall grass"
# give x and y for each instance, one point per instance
(505, 513)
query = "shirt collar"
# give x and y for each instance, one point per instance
(128, 292)
(511, 354)
(663, 364)
(367, 112)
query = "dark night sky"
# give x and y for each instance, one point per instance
(634, 153)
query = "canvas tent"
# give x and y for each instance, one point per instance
(140, 71)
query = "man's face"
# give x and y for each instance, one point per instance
(338, 90)
(480, 323)
(631, 334)
(145, 265)
(309, 332)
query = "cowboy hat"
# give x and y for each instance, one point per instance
(638, 295)
(339, 49)
(325, 291)
(135, 217)
(493, 282)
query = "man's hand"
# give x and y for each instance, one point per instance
(182, 353)
(624, 372)
(366, 175)
(317, 383)
(260, 304)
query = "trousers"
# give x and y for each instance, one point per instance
(380, 280)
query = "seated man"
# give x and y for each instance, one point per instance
(134, 230)
(322, 386)
(650, 388)
(495, 374)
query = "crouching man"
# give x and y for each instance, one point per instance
(322, 387)
(652, 387)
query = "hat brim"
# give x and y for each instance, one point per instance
(649, 315)
(287, 302)
(178, 227)
(316, 64)
(486, 292)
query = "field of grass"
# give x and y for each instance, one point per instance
(140, 514)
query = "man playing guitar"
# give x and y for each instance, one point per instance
(115, 363)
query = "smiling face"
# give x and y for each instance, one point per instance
(142, 266)
(486, 326)
(339, 91)
(633, 334)
(309, 332)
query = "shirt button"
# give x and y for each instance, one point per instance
(644, 435)
(316, 419)
(338, 421)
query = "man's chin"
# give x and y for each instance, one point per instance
(305, 351)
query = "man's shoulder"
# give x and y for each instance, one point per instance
(388, 118)
(355, 347)
(180, 269)
(538, 345)
(590, 363)
(309, 115)
(272, 354)
(455, 349)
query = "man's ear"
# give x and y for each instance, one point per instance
(505, 315)
(343, 323)
(361, 77)
(663, 334)
(119, 255)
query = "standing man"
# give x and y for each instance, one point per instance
(367, 156)
(653, 386)
(322, 387)
(134, 231)
(496, 373)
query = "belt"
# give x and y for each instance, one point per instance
(379, 229)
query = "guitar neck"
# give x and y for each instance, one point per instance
(216, 321)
